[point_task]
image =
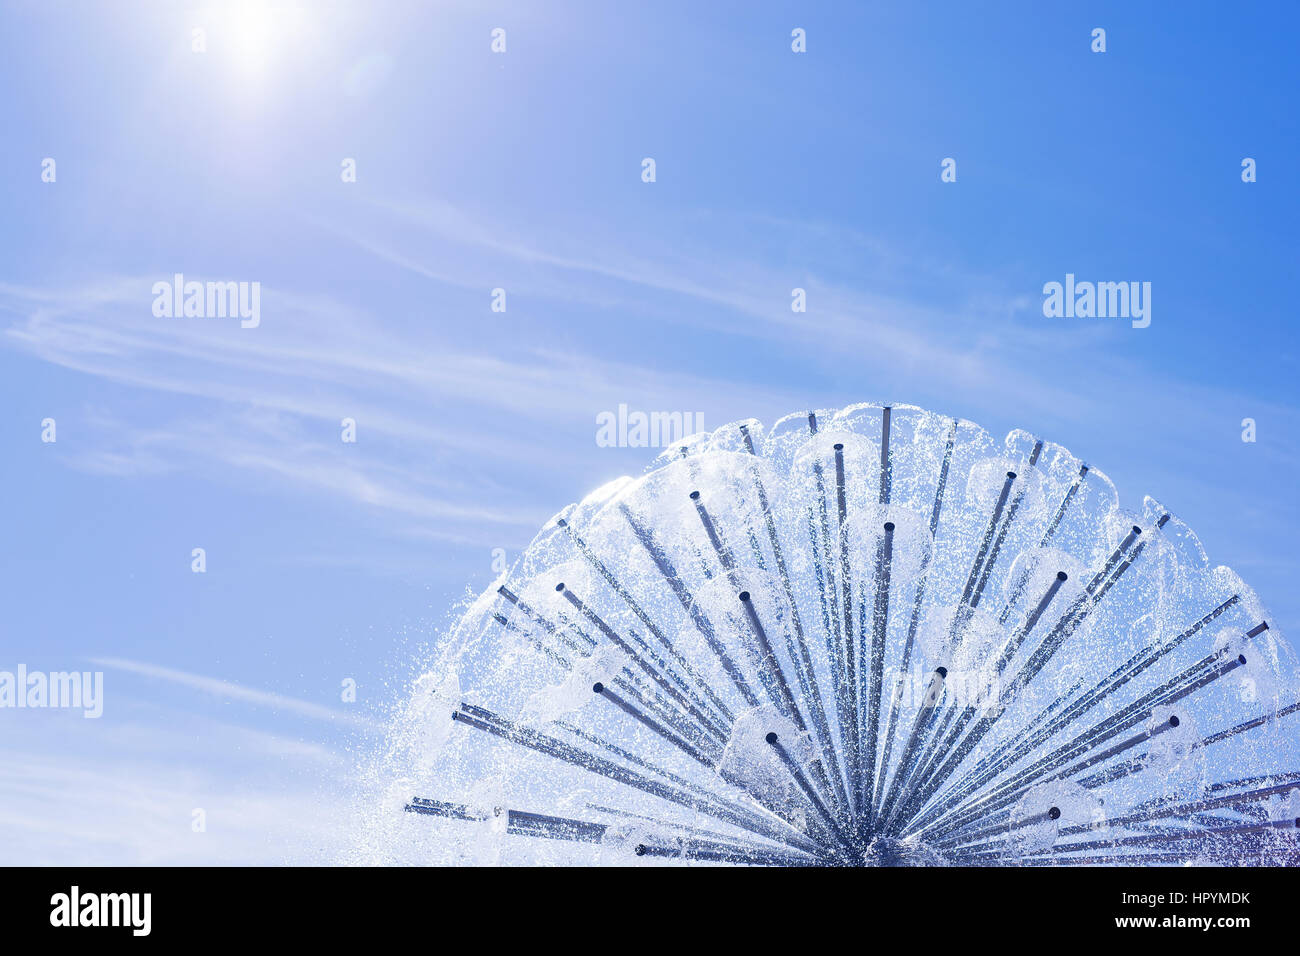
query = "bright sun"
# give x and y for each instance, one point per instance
(255, 35)
(252, 31)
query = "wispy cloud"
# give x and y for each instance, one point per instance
(448, 412)
(268, 403)
(895, 317)
(128, 794)
(229, 690)
(899, 316)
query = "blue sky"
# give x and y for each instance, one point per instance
(522, 171)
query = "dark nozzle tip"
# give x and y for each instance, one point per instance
(839, 446)
(561, 523)
(744, 596)
(771, 738)
(1241, 658)
(598, 688)
(1174, 721)
(560, 586)
(1062, 576)
(640, 849)
(1054, 813)
(941, 671)
(1011, 475)
(889, 526)
(1137, 529)
(695, 496)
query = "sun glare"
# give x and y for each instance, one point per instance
(252, 30)
(255, 36)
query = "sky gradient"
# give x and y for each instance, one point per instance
(521, 170)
